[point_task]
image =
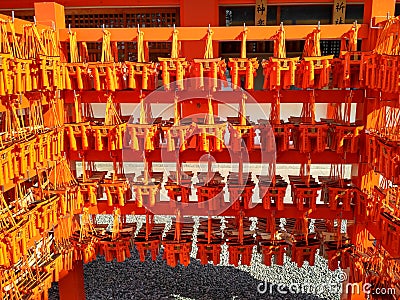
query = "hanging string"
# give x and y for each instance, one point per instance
(61, 176)
(178, 226)
(7, 218)
(53, 102)
(87, 227)
(244, 39)
(88, 111)
(209, 118)
(272, 172)
(242, 111)
(347, 109)
(143, 110)
(36, 116)
(49, 42)
(177, 116)
(106, 53)
(4, 41)
(208, 53)
(140, 46)
(175, 44)
(275, 112)
(279, 39)
(17, 128)
(73, 48)
(308, 109)
(16, 49)
(77, 108)
(116, 228)
(32, 44)
(391, 130)
(83, 49)
(112, 117)
(349, 39)
(114, 51)
(305, 171)
(312, 45)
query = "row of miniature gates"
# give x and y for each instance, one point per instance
(271, 240)
(240, 242)
(210, 192)
(295, 241)
(37, 66)
(147, 137)
(22, 158)
(48, 73)
(177, 242)
(71, 244)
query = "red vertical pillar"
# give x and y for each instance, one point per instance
(198, 14)
(71, 286)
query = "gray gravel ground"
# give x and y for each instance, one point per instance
(133, 279)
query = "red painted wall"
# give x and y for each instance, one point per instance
(198, 13)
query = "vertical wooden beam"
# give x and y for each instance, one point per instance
(52, 14)
(71, 286)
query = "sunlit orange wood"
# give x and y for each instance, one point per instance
(50, 14)
(255, 33)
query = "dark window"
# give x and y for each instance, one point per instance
(310, 14)
(294, 48)
(237, 15)
(397, 9)
(354, 12)
(233, 48)
(329, 47)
